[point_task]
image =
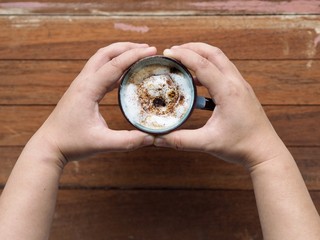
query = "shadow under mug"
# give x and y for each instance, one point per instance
(172, 66)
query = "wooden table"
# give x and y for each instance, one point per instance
(157, 193)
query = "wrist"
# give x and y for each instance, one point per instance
(265, 148)
(31, 190)
(42, 149)
(272, 153)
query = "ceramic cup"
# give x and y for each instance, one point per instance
(157, 95)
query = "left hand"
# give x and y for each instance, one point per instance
(75, 128)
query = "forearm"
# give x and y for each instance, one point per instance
(28, 200)
(285, 207)
(239, 131)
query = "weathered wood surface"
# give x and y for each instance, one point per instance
(272, 37)
(181, 7)
(155, 168)
(275, 82)
(157, 215)
(296, 125)
(155, 193)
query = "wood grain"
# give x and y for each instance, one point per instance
(156, 215)
(156, 193)
(296, 125)
(165, 7)
(78, 37)
(275, 82)
(155, 168)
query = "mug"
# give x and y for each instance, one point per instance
(157, 95)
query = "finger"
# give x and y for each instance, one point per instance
(105, 54)
(214, 55)
(187, 140)
(206, 72)
(110, 73)
(124, 140)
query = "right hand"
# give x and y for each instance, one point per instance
(238, 130)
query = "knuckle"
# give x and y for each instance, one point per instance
(232, 89)
(130, 147)
(203, 62)
(177, 143)
(101, 53)
(121, 46)
(115, 62)
(135, 54)
(136, 51)
(118, 44)
(131, 143)
(115, 45)
(102, 50)
(216, 52)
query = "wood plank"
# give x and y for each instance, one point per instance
(283, 82)
(181, 7)
(78, 37)
(155, 168)
(36, 82)
(296, 125)
(275, 82)
(290, 122)
(144, 168)
(155, 193)
(308, 162)
(156, 215)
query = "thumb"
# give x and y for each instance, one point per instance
(125, 140)
(187, 140)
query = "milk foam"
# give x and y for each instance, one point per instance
(134, 111)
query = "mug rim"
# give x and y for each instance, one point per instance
(190, 110)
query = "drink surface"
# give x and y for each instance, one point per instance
(157, 97)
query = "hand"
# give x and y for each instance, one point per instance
(75, 128)
(238, 130)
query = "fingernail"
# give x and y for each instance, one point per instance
(152, 48)
(148, 140)
(168, 53)
(160, 142)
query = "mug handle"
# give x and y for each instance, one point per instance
(205, 103)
